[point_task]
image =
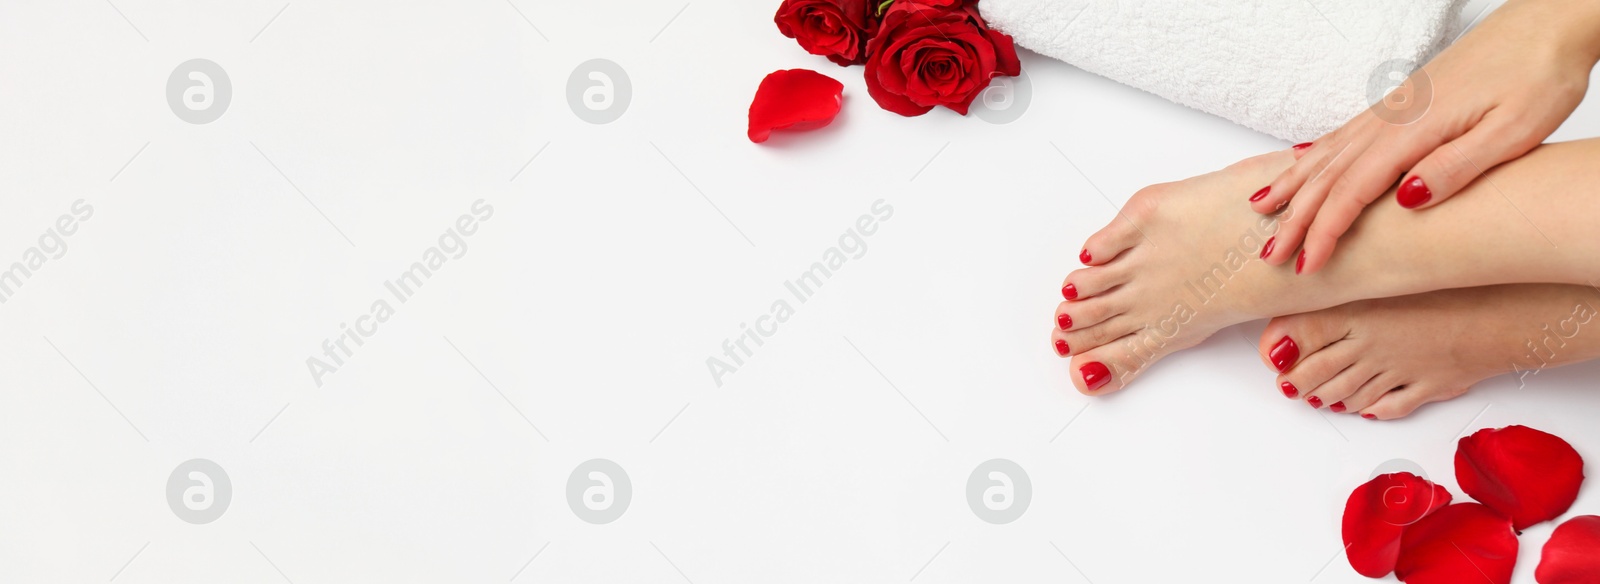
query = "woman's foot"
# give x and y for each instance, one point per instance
(1384, 358)
(1182, 259)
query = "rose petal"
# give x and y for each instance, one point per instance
(1458, 544)
(794, 99)
(1572, 556)
(1525, 474)
(1378, 512)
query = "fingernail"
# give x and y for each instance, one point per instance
(1266, 250)
(1300, 263)
(1083, 256)
(1369, 416)
(1069, 292)
(1337, 407)
(1062, 348)
(1289, 390)
(1261, 194)
(1316, 402)
(1095, 375)
(1284, 354)
(1302, 146)
(1413, 193)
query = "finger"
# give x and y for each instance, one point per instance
(1274, 196)
(1296, 220)
(1300, 149)
(1456, 164)
(1368, 178)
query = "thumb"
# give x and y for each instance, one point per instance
(1454, 165)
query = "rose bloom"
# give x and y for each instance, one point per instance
(927, 55)
(836, 29)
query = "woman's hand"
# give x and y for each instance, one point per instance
(1488, 99)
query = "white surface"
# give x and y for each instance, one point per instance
(1289, 69)
(593, 297)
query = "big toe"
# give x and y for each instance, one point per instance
(1288, 340)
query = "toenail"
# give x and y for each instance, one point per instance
(1284, 354)
(1064, 321)
(1316, 402)
(1083, 256)
(1062, 348)
(1261, 194)
(1300, 264)
(1095, 375)
(1266, 250)
(1369, 416)
(1413, 193)
(1069, 292)
(1289, 390)
(1337, 407)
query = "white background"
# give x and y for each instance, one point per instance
(220, 256)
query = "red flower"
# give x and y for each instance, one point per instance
(1526, 475)
(934, 52)
(1572, 556)
(1379, 511)
(794, 99)
(836, 29)
(1460, 543)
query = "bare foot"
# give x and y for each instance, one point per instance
(1384, 358)
(1182, 259)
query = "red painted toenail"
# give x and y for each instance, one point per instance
(1413, 193)
(1302, 146)
(1095, 375)
(1083, 256)
(1064, 321)
(1261, 194)
(1266, 250)
(1062, 348)
(1284, 354)
(1289, 390)
(1300, 264)
(1337, 407)
(1069, 292)
(1316, 402)
(1369, 416)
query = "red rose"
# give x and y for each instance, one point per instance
(836, 29)
(927, 55)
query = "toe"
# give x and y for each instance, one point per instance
(1100, 371)
(1370, 392)
(1082, 314)
(1090, 282)
(1401, 402)
(1111, 241)
(1340, 387)
(1315, 370)
(1084, 338)
(1288, 339)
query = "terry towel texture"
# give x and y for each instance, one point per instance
(1295, 69)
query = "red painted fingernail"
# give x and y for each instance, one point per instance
(1302, 146)
(1083, 256)
(1095, 375)
(1261, 194)
(1064, 321)
(1266, 250)
(1300, 263)
(1337, 407)
(1284, 354)
(1316, 402)
(1062, 348)
(1369, 416)
(1289, 390)
(1413, 193)
(1069, 292)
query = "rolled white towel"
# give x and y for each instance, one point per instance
(1295, 69)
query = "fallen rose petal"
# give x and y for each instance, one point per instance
(1378, 512)
(1572, 556)
(1459, 544)
(794, 99)
(1525, 474)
